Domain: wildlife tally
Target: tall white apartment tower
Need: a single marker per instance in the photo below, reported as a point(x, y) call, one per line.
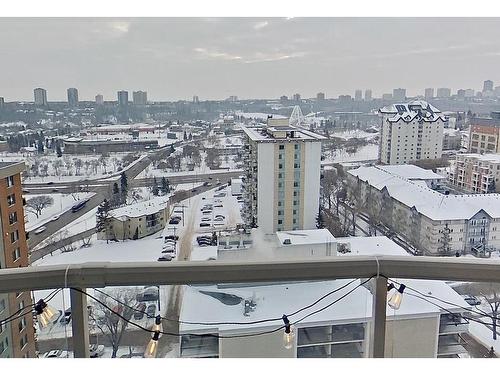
point(410, 131)
point(282, 177)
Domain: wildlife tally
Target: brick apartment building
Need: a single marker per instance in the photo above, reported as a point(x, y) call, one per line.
point(17, 337)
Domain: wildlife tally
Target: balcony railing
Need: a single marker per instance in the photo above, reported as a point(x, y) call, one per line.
point(79, 277)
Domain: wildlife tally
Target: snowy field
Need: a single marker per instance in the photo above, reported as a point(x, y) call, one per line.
point(368, 152)
point(356, 133)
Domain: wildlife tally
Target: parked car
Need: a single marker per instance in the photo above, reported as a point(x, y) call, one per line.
point(206, 219)
point(218, 205)
point(55, 354)
point(138, 315)
point(204, 225)
point(171, 237)
point(165, 258)
point(40, 229)
point(220, 216)
point(471, 300)
point(174, 221)
point(55, 190)
point(55, 217)
point(151, 310)
point(96, 350)
point(149, 294)
point(50, 183)
point(66, 318)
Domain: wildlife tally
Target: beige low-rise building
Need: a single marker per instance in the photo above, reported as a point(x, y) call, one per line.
point(137, 220)
point(476, 173)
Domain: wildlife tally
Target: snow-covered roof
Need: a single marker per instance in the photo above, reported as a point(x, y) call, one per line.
point(411, 172)
point(428, 202)
point(260, 134)
point(148, 207)
point(415, 110)
point(305, 237)
point(274, 300)
point(492, 158)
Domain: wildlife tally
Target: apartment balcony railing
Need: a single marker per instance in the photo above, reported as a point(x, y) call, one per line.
point(79, 277)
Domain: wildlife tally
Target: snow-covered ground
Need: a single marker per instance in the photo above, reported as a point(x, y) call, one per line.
point(62, 203)
point(368, 152)
point(355, 133)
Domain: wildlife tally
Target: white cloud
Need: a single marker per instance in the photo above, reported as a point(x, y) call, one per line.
point(263, 57)
point(216, 55)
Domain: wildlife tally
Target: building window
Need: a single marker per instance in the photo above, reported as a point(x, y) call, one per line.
point(16, 254)
point(296, 165)
point(295, 212)
point(295, 221)
point(295, 184)
point(297, 146)
point(22, 324)
point(280, 166)
point(23, 341)
point(11, 199)
point(10, 181)
point(280, 212)
point(14, 236)
point(281, 147)
point(280, 221)
point(2, 305)
point(12, 218)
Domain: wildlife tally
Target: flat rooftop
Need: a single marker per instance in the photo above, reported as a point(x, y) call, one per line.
point(495, 158)
point(259, 134)
point(411, 172)
point(140, 209)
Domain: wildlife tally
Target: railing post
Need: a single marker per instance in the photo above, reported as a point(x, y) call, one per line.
point(80, 326)
point(379, 306)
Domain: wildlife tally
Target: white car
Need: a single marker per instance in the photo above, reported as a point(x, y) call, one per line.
point(96, 350)
point(40, 230)
point(55, 217)
point(56, 354)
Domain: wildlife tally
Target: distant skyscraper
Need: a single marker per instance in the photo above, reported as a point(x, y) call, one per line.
point(399, 94)
point(2, 102)
point(345, 98)
point(429, 93)
point(296, 97)
point(358, 95)
point(487, 86)
point(469, 93)
point(461, 93)
point(99, 100)
point(283, 98)
point(72, 97)
point(320, 96)
point(443, 92)
point(386, 96)
point(123, 98)
point(140, 97)
point(40, 96)
point(368, 95)
point(196, 99)
point(232, 98)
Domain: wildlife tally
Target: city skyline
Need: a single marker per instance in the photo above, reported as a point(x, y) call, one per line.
point(174, 59)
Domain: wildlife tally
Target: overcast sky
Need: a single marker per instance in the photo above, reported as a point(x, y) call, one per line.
point(249, 57)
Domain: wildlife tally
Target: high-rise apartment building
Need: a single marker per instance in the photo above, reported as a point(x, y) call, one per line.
point(320, 96)
point(140, 97)
point(123, 98)
point(296, 97)
point(99, 99)
point(484, 134)
point(73, 97)
point(469, 93)
point(399, 94)
point(429, 93)
point(410, 131)
point(487, 85)
point(40, 96)
point(282, 177)
point(461, 94)
point(358, 95)
point(368, 95)
point(17, 337)
point(196, 99)
point(2, 102)
point(443, 92)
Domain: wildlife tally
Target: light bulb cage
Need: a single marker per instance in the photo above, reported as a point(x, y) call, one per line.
point(40, 306)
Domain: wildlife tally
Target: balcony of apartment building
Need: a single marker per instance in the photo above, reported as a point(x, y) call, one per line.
point(364, 315)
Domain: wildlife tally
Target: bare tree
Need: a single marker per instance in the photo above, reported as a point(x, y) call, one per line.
point(78, 166)
point(38, 203)
point(57, 165)
point(489, 293)
point(111, 325)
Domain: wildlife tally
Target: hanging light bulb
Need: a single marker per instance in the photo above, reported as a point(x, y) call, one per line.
point(157, 325)
point(289, 334)
point(395, 300)
point(152, 347)
point(44, 312)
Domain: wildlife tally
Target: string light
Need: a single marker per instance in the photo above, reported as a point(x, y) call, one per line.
point(289, 334)
point(395, 300)
point(44, 312)
point(152, 347)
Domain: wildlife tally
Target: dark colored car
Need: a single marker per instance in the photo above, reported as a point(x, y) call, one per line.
point(174, 221)
point(204, 225)
point(151, 310)
point(78, 206)
point(140, 314)
point(165, 258)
